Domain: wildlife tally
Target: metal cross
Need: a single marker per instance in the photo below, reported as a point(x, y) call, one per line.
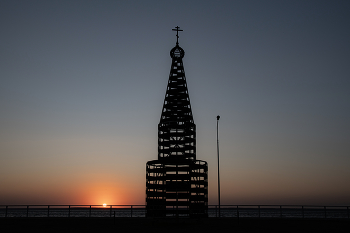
point(177, 29)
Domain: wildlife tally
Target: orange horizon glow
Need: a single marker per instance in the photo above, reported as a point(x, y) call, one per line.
point(87, 189)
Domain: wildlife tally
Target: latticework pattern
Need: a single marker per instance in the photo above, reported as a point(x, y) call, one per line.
point(176, 183)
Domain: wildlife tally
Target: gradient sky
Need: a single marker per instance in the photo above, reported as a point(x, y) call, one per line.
point(83, 84)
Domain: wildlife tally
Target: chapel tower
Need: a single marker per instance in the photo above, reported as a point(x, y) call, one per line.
point(176, 183)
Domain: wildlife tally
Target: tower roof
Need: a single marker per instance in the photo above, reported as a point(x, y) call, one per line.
point(177, 107)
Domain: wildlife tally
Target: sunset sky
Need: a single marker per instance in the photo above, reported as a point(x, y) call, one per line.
point(83, 84)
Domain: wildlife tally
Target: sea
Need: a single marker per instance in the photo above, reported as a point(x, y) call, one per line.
point(213, 212)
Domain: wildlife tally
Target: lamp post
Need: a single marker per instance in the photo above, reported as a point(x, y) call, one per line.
point(217, 146)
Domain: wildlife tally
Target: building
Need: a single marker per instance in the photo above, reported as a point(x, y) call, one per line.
point(177, 183)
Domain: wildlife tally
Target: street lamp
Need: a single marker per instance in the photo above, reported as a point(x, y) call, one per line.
point(217, 146)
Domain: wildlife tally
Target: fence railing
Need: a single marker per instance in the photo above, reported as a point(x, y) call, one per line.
point(226, 211)
point(282, 211)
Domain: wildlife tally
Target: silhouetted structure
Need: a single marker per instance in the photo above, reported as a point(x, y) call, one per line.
point(176, 183)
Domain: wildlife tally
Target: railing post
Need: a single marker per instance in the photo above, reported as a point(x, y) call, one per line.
point(110, 211)
point(6, 211)
point(259, 210)
point(27, 210)
point(90, 212)
point(131, 211)
point(48, 211)
point(325, 212)
point(69, 211)
point(302, 210)
point(280, 211)
point(347, 208)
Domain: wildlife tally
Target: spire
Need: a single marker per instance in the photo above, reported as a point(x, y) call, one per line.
point(177, 107)
point(177, 120)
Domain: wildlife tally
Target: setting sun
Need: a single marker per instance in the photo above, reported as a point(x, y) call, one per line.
point(104, 204)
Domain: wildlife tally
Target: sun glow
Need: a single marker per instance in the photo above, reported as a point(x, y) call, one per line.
point(104, 204)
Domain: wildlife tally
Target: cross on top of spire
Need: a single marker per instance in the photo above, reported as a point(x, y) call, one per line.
point(177, 29)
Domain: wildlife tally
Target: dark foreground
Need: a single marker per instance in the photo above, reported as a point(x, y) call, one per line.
point(172, 225)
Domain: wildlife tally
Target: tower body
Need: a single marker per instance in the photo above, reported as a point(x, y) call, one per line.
point(177, 183)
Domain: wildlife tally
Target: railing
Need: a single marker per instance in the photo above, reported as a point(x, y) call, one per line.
point(281, 211)
point(72, 210)
point(226, 211)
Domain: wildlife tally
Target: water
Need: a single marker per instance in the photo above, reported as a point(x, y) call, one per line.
point(263, 212)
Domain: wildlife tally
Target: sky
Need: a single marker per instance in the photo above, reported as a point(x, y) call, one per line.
point(83, 85)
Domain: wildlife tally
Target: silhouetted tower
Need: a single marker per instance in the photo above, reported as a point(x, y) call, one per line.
point(176, 183)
